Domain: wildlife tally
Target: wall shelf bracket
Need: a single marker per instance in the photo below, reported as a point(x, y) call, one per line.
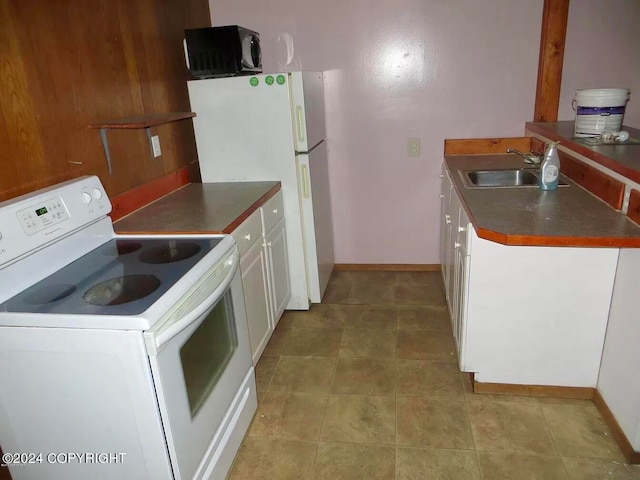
point(105, 146)
point(144, 121)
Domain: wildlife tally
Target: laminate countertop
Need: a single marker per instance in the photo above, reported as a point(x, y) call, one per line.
point(199, 208)
point(568, 216)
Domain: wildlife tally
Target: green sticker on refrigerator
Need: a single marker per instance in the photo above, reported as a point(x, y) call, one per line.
point(254, 81)
point(269, 80)
point(280, 79)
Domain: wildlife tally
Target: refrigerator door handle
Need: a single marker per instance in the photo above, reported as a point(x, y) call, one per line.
point(300, 121)
point(305, 181)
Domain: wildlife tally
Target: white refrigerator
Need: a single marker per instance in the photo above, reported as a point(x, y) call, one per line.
point(272, 127)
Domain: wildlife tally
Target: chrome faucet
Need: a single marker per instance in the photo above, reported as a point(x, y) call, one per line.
point(531, 158)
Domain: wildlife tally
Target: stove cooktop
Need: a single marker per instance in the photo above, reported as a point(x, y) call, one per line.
point(121, 277)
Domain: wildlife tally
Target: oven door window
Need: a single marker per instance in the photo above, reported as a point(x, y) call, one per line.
point(207, 352)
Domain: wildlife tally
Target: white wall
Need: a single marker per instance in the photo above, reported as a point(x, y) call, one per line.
point(432, 69)
point(602, 51)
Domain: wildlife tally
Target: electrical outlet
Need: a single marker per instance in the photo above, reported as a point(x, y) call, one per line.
point(413, 147)
point(155, 144)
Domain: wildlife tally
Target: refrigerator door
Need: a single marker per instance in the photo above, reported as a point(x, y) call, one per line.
point(307, 109)
point(317, 229)
point(243, 128)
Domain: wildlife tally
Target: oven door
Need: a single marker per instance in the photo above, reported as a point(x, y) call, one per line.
point(200, 357)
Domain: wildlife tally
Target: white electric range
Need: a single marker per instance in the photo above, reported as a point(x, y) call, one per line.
point(121, 356)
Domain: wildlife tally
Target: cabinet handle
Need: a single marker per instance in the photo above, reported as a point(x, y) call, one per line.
point(462, 229)
point(441, 196)
point(447, 219)
point(442, 175)
point(269, 244)
point(457, 244)
point(248, 237)
point(275, 211)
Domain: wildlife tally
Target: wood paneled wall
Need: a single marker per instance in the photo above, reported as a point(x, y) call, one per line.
point(65, 64)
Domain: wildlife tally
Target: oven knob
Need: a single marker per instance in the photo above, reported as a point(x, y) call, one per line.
point(86, 198)
point(97, 194)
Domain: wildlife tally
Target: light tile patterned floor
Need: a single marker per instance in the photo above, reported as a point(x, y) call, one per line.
point(366, 386)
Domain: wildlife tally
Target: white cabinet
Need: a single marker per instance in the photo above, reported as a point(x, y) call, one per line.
point(445, 229)
point(619, 380)
point(525, 314)
point(275, 235)
point(265, 271)
point(460, 284)
point(453, 256)
point(253, 268)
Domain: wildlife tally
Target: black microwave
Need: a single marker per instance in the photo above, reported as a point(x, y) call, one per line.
point(222, 51)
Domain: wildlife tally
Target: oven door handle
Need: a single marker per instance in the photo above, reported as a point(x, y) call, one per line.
point(203, 297)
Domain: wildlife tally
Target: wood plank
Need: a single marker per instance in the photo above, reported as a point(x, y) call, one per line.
point(142, 195)
point(143, 121)
point(599, 183)
point(389, 267)
point(68, 64)
point(621, 439)
point(552, 42)
point(479, 146)
point(538, 146)
point(633, 212)
point(551, 391)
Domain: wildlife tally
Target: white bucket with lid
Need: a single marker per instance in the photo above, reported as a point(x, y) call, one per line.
point(599, 110)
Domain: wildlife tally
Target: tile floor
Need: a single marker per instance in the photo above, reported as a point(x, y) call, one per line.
point(366, 386)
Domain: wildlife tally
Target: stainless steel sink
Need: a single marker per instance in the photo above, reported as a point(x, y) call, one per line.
point(502, 178)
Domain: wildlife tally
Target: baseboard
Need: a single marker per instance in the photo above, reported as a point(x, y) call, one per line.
point(621, 439)
point(552, 391)
point(389, 267)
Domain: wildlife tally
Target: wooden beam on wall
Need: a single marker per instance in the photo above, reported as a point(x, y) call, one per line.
point(552, 42)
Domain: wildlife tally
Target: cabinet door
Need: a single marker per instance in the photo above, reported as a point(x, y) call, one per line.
point(458, 283)
point(253, 267)
point(279, 286)
point(459, 316)
point(445, 221)
point(451, 221)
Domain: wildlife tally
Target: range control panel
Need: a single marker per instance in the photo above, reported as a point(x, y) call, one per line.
point(47, 214)
point(31, 221)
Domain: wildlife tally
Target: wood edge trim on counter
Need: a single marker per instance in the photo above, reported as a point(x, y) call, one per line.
point(254, 206)
point(389, 267)
point(138, 197)
point(555, 15)
point(603, 186)
point(479, 146)
point(552, 391)
point(545, 241)
point(588, 152)
point(633, 211)
point(621, 439)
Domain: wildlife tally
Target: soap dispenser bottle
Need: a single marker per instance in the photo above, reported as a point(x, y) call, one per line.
point(550, 168)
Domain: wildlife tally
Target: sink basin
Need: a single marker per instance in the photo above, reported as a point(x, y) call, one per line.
point(502, 178)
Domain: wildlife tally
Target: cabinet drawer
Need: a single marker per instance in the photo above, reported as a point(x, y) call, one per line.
point(272, 212)
point(248, 232)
